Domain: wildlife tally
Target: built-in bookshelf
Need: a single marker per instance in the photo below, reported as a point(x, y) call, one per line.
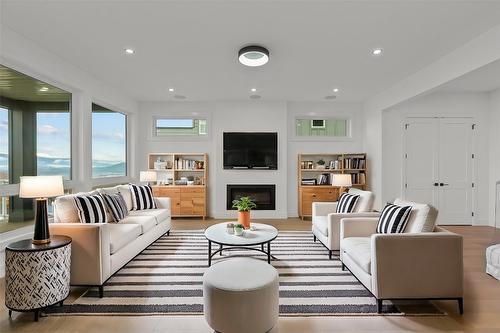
point(315, 177)
point(182, 177)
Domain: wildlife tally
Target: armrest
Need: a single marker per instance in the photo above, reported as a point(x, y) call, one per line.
point(420, 265)
point(323, 208)
point(358, 227)
point(162, 202)
point(90, 251)
point(334, 225)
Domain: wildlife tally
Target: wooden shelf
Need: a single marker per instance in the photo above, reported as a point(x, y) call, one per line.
point(307, 194)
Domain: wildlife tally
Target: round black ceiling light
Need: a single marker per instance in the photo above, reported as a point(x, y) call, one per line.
point(253, 56)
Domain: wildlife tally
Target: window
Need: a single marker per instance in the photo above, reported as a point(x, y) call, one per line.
point(180, 127)
point(35, 139)
point(328, 127)
point(53, 143)
point(109, 143)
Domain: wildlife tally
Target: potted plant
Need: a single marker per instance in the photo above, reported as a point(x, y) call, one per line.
point(321, 164)
point(238, 229)
point(244, 205)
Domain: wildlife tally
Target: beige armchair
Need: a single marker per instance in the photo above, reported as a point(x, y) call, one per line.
point(410, 265)
point(326, 223)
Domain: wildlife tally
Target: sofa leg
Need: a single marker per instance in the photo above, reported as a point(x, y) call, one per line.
point(101, 291)
point(314, 238)
point(330, 252)
point(460, 305)
point(168, 233)
point(343, 267)
point(379, 305)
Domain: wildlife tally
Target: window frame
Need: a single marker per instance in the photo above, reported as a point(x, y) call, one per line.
point(181, 138)
point(337, 116)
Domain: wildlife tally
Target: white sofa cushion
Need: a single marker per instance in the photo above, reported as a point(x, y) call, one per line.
point(159, 214)
point(365, 200)
point(120, 234)
point(145, 222)
point(422, 217)
point(66, 210)
point(359, 250)
point(321, 223)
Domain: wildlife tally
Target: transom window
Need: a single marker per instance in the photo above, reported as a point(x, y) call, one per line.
point(180, 127)
point(322, 127)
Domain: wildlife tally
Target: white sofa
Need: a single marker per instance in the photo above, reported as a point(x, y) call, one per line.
point(424, 262)
point(100, 249)
point(326, 223)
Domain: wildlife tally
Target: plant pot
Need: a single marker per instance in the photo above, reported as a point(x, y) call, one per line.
point(238, 231)
point(244, 218)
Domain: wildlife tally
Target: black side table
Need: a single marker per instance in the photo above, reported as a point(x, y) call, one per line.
point(37, 276)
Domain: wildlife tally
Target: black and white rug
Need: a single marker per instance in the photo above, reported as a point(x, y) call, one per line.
point(166, 278)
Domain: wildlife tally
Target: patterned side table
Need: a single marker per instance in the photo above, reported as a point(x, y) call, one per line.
point(37, 276)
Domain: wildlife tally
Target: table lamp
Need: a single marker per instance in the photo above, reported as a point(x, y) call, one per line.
point(344, 181)
point(147, 176)
point(41, 188)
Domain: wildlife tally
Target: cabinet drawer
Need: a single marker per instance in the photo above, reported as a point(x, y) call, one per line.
point(193, 190)
point(166, 192)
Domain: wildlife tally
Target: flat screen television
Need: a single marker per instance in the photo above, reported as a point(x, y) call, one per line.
point(250, 150)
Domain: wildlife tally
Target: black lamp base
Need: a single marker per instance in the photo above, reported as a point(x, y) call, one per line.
point(42, 234)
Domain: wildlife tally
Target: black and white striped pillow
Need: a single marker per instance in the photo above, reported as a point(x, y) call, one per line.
point(142, 197)
point(346, 203)
point(116, 205)
point(393, 219)
point(91, 209)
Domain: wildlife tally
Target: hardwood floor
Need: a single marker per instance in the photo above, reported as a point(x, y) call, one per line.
point(482, 303)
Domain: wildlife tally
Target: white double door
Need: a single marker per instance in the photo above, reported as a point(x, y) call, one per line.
point(439, 166)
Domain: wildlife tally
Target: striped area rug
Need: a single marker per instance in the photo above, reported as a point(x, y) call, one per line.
point(166, 278)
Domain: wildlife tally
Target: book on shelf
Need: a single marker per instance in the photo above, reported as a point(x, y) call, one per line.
point(354, 163)
point(358, 178)
point(309, 181)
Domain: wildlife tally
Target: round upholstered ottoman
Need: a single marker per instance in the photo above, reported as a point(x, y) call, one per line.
point(493, 261)
point(241, 296)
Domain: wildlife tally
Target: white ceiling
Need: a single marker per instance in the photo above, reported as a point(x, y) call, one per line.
point(484, 79)
point(192, 45)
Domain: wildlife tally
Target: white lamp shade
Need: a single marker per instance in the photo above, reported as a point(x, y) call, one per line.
point(342, 180)
point(147, 176)
point(40, 186)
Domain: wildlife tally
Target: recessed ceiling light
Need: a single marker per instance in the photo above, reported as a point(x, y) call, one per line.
point(43, 89)
point(253, 89)
point(336, 89)
point(253, 56)
point(377, 51)
point(129, 51)
point(171, 89)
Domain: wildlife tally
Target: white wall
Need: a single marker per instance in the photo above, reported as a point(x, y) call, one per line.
point(494, 122)
point(249, 116)
point(440, 104)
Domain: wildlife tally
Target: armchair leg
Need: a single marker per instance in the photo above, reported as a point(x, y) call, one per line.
point(101, 291)
point(460, 305)
point(314, 238)
point(343, 267)
point(168, 233)
point(330, 252)
point(379, 305)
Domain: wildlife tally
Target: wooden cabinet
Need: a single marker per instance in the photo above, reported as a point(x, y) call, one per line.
point(186, 200)
point(316, 171)
point(310, 194)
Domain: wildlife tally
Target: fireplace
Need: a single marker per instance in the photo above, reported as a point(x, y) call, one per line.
point(263, 195)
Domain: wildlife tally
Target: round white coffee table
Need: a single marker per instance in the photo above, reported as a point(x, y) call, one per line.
point(260, 234)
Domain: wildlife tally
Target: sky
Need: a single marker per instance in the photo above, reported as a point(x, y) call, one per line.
point(54, 136)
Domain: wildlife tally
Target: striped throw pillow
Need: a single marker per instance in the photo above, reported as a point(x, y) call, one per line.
point(91, 208)
point(346, 203)
point(116, 205)
point(142, 197)
point(393, 219)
